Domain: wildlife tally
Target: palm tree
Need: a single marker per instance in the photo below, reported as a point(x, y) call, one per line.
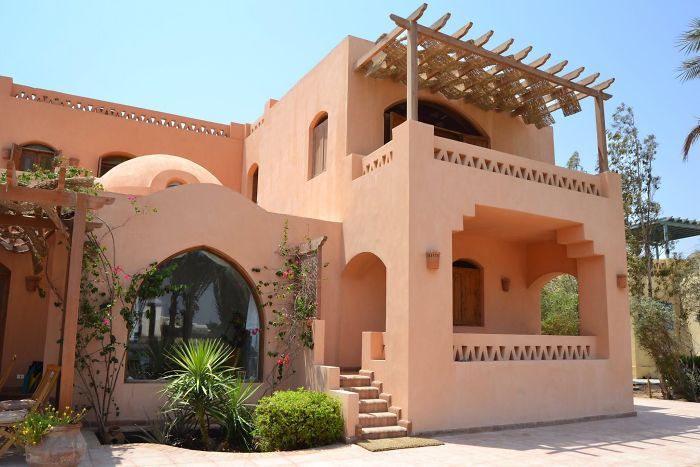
point(689, 43)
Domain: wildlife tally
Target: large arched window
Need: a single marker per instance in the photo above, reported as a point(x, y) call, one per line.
point(448, 124)
point(109, 162)
point(215, 301)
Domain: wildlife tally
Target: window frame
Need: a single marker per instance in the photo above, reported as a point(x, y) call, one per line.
point(320, 121)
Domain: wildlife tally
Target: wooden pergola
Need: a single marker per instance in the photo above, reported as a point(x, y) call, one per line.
point(28, 216)
point(425, 58)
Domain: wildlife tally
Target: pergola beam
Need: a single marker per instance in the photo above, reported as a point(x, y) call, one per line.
point(389, 38)
point(496, 58)
point(56, 198)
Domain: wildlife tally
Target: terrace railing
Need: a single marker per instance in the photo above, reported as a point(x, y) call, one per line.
point(517, 347)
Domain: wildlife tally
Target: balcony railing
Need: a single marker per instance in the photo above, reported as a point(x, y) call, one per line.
point(517, 347)
point(379, 158)
point(478, 158)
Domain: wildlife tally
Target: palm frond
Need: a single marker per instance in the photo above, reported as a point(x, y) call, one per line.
point(690, 69)
point(689, 41)
point(690, 140)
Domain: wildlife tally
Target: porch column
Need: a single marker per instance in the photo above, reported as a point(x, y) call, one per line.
point(412, 72)
point(70, 317)
point(602, 136)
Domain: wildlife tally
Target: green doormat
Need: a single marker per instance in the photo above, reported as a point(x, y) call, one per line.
point(389, 444)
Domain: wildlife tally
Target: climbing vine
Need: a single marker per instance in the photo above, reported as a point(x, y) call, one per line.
point(291, 299)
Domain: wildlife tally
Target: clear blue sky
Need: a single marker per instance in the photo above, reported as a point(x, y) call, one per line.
point(221, 61)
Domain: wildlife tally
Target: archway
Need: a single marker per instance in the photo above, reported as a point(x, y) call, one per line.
point(448, 123)
point(215, 300)
point(253, 182)
point(363, 306)
point(559, 306)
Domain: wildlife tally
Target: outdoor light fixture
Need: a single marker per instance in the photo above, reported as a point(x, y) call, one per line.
point(505, 284)
point(432, 259)
point(622, 281)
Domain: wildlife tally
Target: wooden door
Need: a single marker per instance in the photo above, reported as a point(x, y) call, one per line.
point(466, 297)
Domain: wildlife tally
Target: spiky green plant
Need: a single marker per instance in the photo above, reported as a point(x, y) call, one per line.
point(235, 414)
point(200, 380)
point(689, 43)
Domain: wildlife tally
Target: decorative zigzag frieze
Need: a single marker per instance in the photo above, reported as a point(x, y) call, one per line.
point(499, 353)
point(552, 178)
point(377, 159)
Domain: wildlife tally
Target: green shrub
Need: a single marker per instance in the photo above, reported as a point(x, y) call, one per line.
point(299, 419)
point(559, 306)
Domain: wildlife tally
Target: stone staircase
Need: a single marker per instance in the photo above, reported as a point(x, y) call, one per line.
point(378, 418)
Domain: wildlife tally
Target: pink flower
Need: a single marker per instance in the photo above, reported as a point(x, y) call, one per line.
point(285, 274)
point(118, 269)
point(105, 322)
point(131, 198)
point(127, 277)
point(280, 361)
point(254, 331)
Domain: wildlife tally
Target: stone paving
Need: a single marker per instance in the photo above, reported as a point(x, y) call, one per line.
point(663, 433)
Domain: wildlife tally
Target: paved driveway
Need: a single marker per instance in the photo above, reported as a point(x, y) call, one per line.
point(663, 433)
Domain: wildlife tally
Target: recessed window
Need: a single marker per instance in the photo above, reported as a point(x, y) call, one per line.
point(107, 163)
point(319, 146)
point(30, 155)
point(253, 180)
point(215, 301)
point(447, 124)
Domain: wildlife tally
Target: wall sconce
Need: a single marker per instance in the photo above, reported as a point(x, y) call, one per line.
point(31, 283)
point(622, 281)
point(505, 284)
point(432, 259)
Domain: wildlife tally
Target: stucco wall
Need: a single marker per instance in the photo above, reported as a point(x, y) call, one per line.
point(89, 135)
point(211, 216)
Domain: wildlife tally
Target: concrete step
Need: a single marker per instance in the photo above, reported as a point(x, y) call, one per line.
point(378, 384)
point(374, 419)
point(347, 381)
point(365, 392)
point(381, 432)
point(368, 373)
point(373, 405)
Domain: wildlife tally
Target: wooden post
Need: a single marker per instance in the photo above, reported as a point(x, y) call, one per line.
point(70, 318)
point(412, 72)
point(602, 137)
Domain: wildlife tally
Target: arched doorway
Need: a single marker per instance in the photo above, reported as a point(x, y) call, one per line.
point(215, 300)
point(363, 306)
point(253, 182)
point(559, 306)
point(467, 293)
point(447, 123)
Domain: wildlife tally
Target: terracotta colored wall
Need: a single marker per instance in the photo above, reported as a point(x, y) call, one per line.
point(363, 306)
point(279, 142)
point(230, 225)
point(89, 135)
point(412, 205)
point(25, 325)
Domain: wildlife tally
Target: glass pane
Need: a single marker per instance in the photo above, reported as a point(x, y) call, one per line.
point(215, 302)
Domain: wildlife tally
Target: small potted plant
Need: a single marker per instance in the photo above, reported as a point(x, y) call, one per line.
point(50, 437)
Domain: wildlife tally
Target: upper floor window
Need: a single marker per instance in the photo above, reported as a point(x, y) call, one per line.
point(448, 124)
point(319, 145)
point(109, 162)
point(30, 155)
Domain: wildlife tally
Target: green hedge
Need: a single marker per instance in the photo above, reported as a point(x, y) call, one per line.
point(299, 419)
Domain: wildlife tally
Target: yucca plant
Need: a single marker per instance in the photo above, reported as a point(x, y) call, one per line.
point(236, 414)
point(200, 381)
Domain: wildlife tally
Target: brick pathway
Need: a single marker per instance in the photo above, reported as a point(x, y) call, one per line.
point(663, 433)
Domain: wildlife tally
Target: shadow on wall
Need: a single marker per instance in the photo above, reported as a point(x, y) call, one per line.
point(363, 283)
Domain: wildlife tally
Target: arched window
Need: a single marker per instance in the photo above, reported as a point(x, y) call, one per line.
point(109, 162)
point(318, 145)
point(448, 124)
point(253, 181)
point(467, 294)
point(215, 301)
point(559, 306)
point(30, 155)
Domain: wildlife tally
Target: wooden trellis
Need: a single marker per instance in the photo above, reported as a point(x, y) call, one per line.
point(458, 68)
point(29, 214)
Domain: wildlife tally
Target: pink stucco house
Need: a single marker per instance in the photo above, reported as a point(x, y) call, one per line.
point(426, 160)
